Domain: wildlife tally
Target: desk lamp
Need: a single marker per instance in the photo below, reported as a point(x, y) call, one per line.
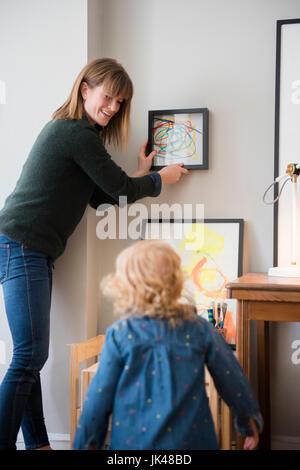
point(291, 174)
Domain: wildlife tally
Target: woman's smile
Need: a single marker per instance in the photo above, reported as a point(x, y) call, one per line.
point(105, 113)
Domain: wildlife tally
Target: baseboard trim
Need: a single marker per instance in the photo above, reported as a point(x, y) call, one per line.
point(52, 437)
point(277, 442)
point(285, 443)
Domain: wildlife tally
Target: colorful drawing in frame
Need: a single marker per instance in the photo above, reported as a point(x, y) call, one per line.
point(211, 252)
point(179, 136)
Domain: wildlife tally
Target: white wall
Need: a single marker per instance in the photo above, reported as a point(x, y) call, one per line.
point(95, 21)
point(220, 55)
point(43, 46)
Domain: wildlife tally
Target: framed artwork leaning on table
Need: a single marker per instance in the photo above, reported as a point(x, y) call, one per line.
point(211, 251)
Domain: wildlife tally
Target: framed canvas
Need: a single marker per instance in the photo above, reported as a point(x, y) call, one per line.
point(287, 135)
point(179, 136)
point(212, 255)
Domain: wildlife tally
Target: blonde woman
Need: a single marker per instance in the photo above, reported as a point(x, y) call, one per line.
point(151, 372)
point(67, 169)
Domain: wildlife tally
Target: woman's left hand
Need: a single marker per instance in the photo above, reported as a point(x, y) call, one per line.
point(144, 161)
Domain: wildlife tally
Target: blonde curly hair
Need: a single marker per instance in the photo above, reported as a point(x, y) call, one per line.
point(148, 281)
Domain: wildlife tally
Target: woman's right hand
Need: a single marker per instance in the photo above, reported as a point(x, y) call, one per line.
point(172, 173)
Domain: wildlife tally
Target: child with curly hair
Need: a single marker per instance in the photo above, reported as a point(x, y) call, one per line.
point(151, 371)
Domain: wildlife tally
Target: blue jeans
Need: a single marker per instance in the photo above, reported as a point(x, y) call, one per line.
point(26, 278)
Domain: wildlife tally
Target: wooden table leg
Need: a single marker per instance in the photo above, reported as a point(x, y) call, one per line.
point(242, 346)
point(225, 427)
point(214, 406)
point(264, 381)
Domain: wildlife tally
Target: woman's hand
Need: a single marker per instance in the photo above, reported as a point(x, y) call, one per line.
point(172, 173)
point(252, 441)
point(144, 161)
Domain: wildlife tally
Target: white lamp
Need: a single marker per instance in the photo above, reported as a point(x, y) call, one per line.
point(291, 174)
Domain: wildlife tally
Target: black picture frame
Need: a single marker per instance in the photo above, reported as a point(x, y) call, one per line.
point(186, 143)
point(278, 119)
point(239, 222)
point(237, 246)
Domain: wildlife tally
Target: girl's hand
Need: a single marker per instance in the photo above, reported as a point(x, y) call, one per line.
point(172, 173)
point(252, 441)
point(144, 161)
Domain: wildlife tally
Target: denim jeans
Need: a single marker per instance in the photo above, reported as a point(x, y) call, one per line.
point(26, 278)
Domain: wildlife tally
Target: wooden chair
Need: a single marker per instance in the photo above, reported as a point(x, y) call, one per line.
point(92, 348)
point(80, 352)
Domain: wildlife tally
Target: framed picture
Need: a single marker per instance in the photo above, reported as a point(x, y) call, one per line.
point(179, 136)
point(211, 251)
point(287, 135)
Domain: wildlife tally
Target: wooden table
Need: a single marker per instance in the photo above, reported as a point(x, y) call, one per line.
point(262, 298)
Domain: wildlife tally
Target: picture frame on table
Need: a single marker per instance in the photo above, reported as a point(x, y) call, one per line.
point(211, 251)
point(179, 136)
point(287, 136)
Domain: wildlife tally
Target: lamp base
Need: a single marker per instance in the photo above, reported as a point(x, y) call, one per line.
point(286, 271)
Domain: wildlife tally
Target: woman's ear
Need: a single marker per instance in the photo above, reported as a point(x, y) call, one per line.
point(83, 90)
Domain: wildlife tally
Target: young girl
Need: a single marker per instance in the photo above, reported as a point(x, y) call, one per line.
point(151, 372)
point(68, 168)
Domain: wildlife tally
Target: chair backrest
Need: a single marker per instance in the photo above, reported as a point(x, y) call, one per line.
point(80, 352)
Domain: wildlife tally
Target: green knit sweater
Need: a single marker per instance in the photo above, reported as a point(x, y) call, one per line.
point(67, 169)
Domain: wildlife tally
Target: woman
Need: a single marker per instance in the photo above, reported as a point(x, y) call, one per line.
point(67, 169)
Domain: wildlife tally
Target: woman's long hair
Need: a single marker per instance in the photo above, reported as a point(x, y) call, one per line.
point(110, 74)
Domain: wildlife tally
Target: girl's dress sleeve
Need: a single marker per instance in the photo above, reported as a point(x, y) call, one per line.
point(93, 422)
point(231, 382)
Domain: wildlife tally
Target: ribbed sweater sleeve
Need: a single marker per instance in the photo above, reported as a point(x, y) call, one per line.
point(92, 157)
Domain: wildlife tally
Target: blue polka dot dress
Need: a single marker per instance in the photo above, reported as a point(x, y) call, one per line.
point(151, 379)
